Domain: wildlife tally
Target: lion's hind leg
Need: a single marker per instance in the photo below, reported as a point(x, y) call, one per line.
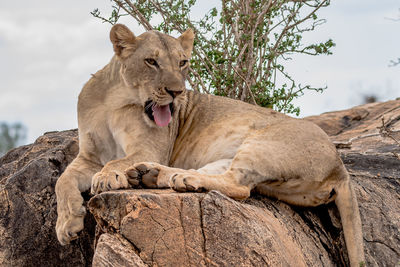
point(155, 175)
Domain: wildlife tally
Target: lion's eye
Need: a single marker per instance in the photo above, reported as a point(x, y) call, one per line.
point(151, 61)
point(182, 63)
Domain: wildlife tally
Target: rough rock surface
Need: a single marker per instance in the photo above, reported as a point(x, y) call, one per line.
point(115, 251)
point(371, 153)
point(164, 228)
point(28, 205)
point(186, 229)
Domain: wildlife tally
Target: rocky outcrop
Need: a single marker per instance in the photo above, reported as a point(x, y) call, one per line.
point(368, 140)
point(165, 228)
point(114, 250)
point(28, 205)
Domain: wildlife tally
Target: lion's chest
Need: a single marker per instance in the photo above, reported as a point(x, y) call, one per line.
point(108, 148)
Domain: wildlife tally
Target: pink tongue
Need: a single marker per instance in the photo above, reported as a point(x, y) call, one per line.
point(162, 115)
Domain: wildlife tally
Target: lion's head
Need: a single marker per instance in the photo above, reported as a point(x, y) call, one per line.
point(154, 66)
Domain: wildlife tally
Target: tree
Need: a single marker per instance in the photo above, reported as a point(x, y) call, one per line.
point(241, 46)
point(11, 135)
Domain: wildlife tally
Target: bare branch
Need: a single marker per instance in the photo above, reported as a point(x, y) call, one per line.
point(385, 131)
point(136, 14)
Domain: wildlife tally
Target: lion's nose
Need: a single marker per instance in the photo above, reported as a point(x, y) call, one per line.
point(173, 93)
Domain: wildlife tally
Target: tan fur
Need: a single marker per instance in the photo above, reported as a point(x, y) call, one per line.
point(211, 143)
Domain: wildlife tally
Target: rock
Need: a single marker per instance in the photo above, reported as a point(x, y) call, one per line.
point(372, 159)
point(165, 228)
point(115, 251)
point(192, 229)
point(28, 205)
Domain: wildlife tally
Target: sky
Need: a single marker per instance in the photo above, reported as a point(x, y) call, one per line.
point(49, 49)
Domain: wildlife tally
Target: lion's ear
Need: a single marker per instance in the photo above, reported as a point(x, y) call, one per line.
point(123, 40)
point(186, 40)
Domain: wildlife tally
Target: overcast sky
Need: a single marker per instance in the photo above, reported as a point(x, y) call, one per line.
point(48, 49)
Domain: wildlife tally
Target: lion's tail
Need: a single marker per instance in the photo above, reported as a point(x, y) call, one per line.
point(347, 204)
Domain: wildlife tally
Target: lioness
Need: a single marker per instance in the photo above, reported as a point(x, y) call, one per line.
point(138, 125)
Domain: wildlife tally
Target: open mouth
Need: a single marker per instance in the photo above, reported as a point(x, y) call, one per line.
point(161, 115)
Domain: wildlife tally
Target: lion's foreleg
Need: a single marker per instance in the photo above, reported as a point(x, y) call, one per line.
point(113, 175)
point(213, 176)
point(154, 175)
point(71, 212)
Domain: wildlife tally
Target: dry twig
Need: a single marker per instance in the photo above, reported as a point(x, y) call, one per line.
point(385, 131)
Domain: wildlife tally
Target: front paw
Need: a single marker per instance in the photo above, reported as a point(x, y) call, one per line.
point(143, 174)
point(185, 182)
point(108, 180)
point(70, 215)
